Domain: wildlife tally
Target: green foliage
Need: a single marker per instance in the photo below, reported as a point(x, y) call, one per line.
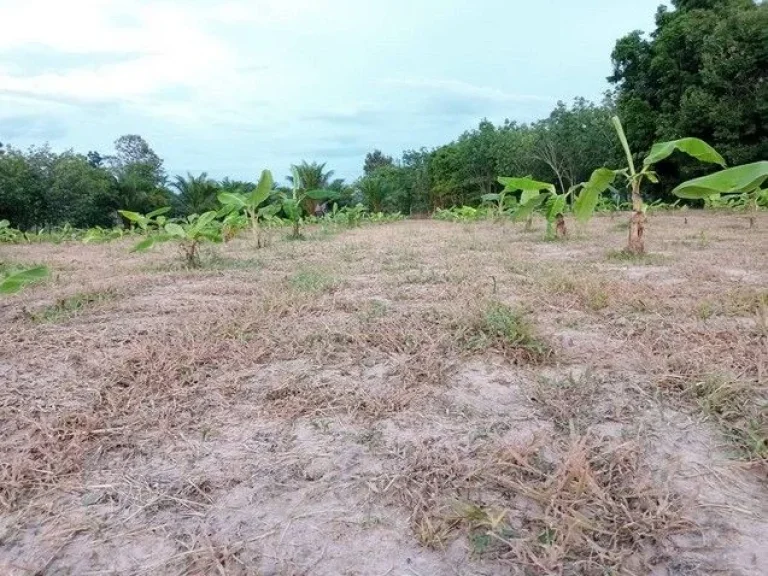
point(196, 194)
point(240, 207)
point(507, 329)
point(528, 206)
point(586, 202)
point(459, 214)
point(528, 185)
point(737, 180)
point(98, 235)
point(188, 233)
point(8, 234)
point(691, 146)
point(684, 79)
point(376, 160)
point(154, 220)
point(16, 280)
point(312, 281)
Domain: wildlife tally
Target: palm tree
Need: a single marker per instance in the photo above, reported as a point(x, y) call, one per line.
point(375, 191)
point(306, 177)
point(196, 194)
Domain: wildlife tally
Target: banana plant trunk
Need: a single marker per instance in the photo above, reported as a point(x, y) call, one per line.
point(636, 244)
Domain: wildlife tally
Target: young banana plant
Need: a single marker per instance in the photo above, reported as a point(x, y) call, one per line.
point(189, 233)
point(237, 205)
point(692, 146)
point(740, 181)
point(539, 197)
point(500, 203)
point(154, 220)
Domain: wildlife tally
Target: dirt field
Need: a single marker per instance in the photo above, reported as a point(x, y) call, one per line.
point(419, 398)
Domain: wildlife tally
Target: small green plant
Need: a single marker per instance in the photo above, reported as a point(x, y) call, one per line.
point(152, 221)
point(99, 234)
point(459, 214)
point(500, 204)
point(508, 329)
point(586, 202)
point(15, 280)
point(741, 414)
point(533, 195)
point(189, 234)
point(239, 208)
point(8, 234)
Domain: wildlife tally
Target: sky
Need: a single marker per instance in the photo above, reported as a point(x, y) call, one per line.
point(231, 87)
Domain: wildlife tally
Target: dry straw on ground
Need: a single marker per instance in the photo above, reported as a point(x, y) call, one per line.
point(416, 398)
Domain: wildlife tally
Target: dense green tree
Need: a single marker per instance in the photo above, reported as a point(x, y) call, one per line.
point(81, 194)
point(23, 189)
point(140, 175)
point(574, 141)
point(374, 160)
point(703, 73)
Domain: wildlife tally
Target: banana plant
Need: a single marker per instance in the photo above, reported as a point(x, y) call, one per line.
point(189, 233)
point(99, 234)
point(589, 194)
point(533, 195)
point(8, 234)
point(235, 205)
point(744, 181)
point(554, 207)
point(154, 220)
point(692, 146)
point(293, 205)
point(500, 203)
point(15, 281)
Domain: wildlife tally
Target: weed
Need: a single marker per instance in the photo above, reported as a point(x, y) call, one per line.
point(739, 410)
point(312, 281)
point(593, 293)
point(634, 258)
point(568, 403)
point(218, 262)
point(507, 330)
point(71, 306)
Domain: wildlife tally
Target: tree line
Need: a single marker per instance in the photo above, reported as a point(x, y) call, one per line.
point(703, 72)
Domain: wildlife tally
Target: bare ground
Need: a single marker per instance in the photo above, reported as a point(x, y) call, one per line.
point(419, 398)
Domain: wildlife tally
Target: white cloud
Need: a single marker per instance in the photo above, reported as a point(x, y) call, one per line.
point(172, 48)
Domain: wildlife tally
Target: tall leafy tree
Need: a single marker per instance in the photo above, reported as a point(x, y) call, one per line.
point(702, 73)
point(140, 174)
point(374, 160)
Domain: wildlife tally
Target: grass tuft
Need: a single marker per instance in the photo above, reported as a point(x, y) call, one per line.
point(70, 306)
point(507, 330)
point(312, 281)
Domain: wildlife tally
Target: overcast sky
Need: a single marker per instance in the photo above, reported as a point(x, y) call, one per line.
point(235, 86)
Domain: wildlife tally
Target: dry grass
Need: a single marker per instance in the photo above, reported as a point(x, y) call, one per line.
point(466, 397)
point(579, 507)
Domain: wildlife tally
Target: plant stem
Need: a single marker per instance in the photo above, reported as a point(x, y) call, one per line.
point(636, 243)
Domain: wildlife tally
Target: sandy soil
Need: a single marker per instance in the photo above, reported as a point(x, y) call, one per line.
point(419, 398)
